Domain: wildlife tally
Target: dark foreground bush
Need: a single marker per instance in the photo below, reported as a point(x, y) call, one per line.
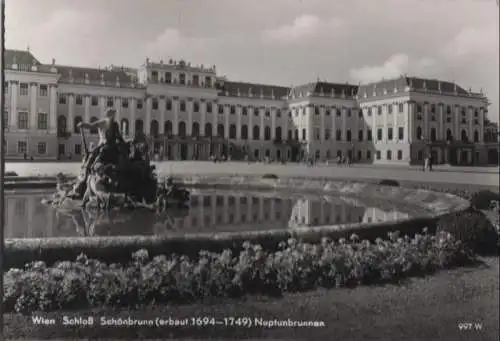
point(483, 200)
point(270, 176)
point(10, 173)
point(473, 229)
point(389, 182)
point(296, 266)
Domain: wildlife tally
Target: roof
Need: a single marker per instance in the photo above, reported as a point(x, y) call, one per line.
point(325, 88)
point(415, 83)
point(235, 88)
point(78, 75)
point(20, 58)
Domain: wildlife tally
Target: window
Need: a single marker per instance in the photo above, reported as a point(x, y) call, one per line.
point(154, 104)
point(268, 113)
point(369, 111)
point(278, 113)
point(182, 79)
point(304, 134)
point(94, 101)
point(110, 102)
point(5, 118)
point(43, 91)
point(448, 109)
point(389, 155)
point(338, 135)
point(22, 120)
point(42, 121)
point(378, 155)
point(316, 111)
point(389, 134)
point(401, 133)
point(41, 148)
point(327, 134)
point(182, 106)
point(78, 149)
point(401, 107)
point(139, 104)
point(433, 108)
point(360, 113)
point(125, 102)
point(62, 99)
point(348, 135)
point(419, 133)
point(379, 134)
point(369, 135)
point(339, 112)
point(368, 155)
point(168, 104)
point(379, 110)
point(327, 112)
point(400, 155)
point(5, 87)
point(196, 107)
point(389, 108)
point(317, 133)
point(420, 155)
point(23, 89)
point(196, 80)
point(349, 112)
point(209, 107)
point(256, 112)
point(419, 108)
point(360, 135)
point(22, 147)
point(168, 77)
point(79, 100)
point(154, 76)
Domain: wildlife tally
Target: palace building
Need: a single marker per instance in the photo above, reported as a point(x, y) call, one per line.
point(189, 112)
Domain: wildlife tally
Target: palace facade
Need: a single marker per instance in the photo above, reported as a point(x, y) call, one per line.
point(189, 112)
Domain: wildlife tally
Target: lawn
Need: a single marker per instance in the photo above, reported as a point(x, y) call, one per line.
point(427, 308)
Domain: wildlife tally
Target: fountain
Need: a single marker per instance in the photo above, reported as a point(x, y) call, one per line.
point(117, 174)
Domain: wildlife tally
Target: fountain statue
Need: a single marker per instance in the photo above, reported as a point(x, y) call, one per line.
point(116, 174)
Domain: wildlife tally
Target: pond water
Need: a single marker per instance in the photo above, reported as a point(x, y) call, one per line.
point(210, 211)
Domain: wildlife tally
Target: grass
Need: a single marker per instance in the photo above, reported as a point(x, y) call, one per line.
point(421, 309)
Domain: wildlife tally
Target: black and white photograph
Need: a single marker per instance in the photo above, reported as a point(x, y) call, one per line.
point(250, 170)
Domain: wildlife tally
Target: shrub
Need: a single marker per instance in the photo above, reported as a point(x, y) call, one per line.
point(473, 229)
point(389, 182)
point(296, 266)
point(270, 176)
point(11, 173)
point(483, 200)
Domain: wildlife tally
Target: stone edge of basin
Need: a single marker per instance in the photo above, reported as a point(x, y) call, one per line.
point(21, 251)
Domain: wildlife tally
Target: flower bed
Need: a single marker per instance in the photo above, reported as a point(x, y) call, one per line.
point(295, 267)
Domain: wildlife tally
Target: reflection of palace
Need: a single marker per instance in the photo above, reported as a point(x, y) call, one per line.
point(189, 112)
point(223, 212)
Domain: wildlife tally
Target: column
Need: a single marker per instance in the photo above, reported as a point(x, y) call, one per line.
point(175, 123)
point(481, 125)
point(250, 123)
point(226, 122)
point(86, 99)
point(410, 122)
point(440, 124)
point(71, 112)
point(334, 125)
point(374, 127)
point(33, 106)
point(133, 108)
point(470, 119)
point(14, 93)
point(102, 105)
point(163, 107)
point(238, 122)
point(262, 113)
point(456, 123)
point(147, 124)
point(215, 114)
point(344, 124)
point(203, 118)
point(395, 130)
point(189, 124)
point(425, 128)
point(53, 109)
point(118, 107)
point(273, 124)
point(385, 135)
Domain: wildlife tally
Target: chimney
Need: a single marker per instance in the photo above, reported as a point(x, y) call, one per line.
point(33, 66)
point(14, 62)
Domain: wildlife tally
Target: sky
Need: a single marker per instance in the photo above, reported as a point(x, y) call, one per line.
point(282, 42)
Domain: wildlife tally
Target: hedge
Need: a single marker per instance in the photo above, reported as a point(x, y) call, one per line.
point(296, 266)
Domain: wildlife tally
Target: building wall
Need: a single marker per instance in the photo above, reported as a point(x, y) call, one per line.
point(321, 124)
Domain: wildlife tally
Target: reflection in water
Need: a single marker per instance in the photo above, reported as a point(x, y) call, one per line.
point(210, 211)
